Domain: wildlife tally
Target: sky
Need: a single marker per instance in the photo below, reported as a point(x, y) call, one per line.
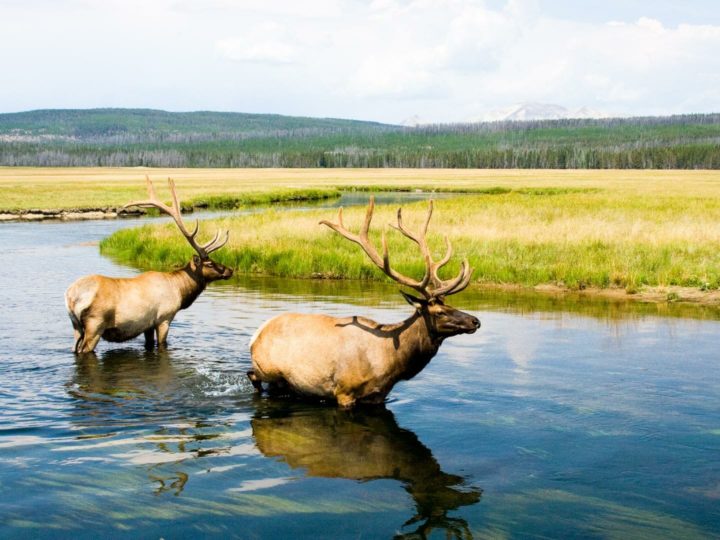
point(381, 60)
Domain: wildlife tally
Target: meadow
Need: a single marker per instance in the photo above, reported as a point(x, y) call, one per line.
point(648, 234)
point(84, 188)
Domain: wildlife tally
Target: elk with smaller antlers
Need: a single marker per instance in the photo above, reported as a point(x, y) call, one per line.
point(354, 359)
point(119, 309)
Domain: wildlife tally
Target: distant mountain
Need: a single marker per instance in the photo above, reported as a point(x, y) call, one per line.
point(93, 123)
point(538, 111)
point(413, 121)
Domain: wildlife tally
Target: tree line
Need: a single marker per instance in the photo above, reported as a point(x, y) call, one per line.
point(568, 157)
point(675, 142)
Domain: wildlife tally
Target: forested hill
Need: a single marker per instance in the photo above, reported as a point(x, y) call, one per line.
point(118, 125)
point(142, 137)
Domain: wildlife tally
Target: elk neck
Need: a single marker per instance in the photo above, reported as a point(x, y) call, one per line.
point(190, 283)
point(414, 344)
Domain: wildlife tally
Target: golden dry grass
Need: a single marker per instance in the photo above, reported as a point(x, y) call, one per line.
point(631, 229)
point(34, 187)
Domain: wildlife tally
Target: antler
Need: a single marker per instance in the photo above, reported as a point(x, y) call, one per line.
point(173, 211)
point(439, 287)
point(430, 286)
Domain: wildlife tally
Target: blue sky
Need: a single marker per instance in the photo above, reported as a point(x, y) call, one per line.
point(385, 60)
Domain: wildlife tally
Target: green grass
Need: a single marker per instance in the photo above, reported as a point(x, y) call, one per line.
point(570, 238)
point(487, 190)
point(576, 229)
point(231, 201)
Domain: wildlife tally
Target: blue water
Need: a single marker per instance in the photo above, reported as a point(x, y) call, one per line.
point(557, 419)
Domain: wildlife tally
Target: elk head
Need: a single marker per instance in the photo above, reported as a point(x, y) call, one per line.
point(201, 265)
point(442, 320)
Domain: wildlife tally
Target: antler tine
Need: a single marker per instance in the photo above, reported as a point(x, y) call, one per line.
point(363, 240)
point(213, 246)
point(150, 187)
point(421, 241)
point(340, 228)
point(427, 219)
point(439, 287)
point(464, 282)
point(448, 254)
point(174, 212)
point(195, 228)
point(457, 284)
point(216, 243)
point(400, 227)
point(437, 282)
point(153, 201)
point(173, 193)
point(206, 245)
point(368, 218)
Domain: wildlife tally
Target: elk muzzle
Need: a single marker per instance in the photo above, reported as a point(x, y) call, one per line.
point(213, 271)
point(451, 322)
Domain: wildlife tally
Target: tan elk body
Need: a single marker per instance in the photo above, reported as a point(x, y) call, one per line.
point(119, 309)
point(355, 359)
point(363, 446)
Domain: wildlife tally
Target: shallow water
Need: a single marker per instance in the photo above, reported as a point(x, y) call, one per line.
point(558, 418)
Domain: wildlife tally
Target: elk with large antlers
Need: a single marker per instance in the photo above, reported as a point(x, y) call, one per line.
point(355, 359)
point(119, 309)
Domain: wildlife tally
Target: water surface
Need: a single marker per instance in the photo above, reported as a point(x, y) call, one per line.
point(558, 418)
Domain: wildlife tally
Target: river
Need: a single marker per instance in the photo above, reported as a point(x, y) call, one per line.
point(559, 418)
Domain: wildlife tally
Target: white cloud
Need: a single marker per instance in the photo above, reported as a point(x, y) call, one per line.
point(444, 60)
point(264, 44)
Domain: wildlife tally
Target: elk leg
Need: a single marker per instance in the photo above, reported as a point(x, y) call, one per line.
point(345, 401)
point(78, 332)
point(149, 338)
point(78, 340)
point(162, 332)
point(93, 333)
point(255, 380)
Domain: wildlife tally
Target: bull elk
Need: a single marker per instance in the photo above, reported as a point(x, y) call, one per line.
point(119, 309)
point(355, 359)
point(365, 446)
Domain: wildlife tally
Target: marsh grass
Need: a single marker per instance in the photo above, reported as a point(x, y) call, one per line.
point(576, 229)
point(571, 238)
point(238, 200)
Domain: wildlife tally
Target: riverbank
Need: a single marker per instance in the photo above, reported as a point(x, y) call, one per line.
point(645, 294)
point(649, 235)
point(648, 244)
point(33, 194)
point(206, 202)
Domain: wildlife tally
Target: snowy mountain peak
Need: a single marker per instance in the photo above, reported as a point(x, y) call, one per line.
point(413, 121)
point(537, 111)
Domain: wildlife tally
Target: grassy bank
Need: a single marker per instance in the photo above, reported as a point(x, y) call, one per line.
point(620, 232)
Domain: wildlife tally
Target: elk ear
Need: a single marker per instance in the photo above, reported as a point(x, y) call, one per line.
point(417, 303)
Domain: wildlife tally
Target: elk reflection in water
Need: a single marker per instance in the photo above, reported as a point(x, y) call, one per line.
point(148, 392)
point(146, 409)
point(123, 374)
point(365, 444)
